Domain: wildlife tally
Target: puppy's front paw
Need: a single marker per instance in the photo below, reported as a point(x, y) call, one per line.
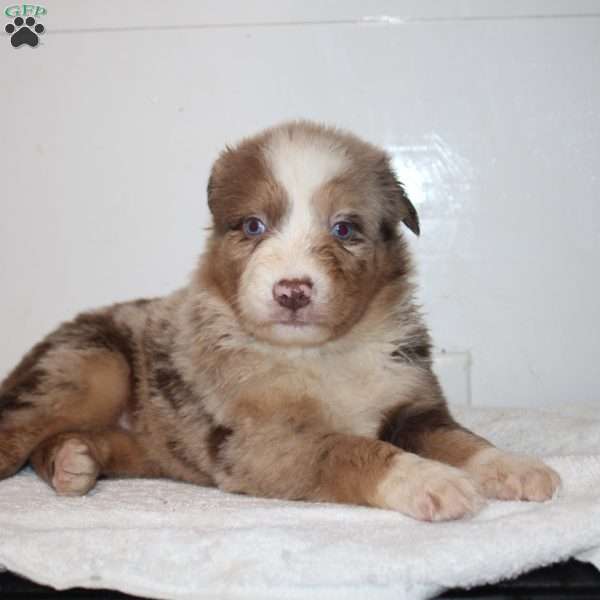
point(511, 477)
point(427, 490)
point(74, 469)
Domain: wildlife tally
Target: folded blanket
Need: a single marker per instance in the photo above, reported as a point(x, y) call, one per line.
point(170, 540)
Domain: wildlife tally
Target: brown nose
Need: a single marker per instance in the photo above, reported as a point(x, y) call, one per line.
point(293, 293)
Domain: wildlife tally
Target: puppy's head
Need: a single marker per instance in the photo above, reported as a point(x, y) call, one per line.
point(305, 231)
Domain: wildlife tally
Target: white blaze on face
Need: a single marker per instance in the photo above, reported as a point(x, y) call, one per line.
point(301, 165)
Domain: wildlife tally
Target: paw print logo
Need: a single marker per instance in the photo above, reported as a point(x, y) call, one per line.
point(24, 32)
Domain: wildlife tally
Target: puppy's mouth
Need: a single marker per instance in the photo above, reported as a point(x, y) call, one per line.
point(298, 319)
point(293, 329)
point(295, 321)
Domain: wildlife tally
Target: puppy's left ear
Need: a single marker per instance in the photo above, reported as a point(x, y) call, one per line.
point(397, 199)
point(411, 220)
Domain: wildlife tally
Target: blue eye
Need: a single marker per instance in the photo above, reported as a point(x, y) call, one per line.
point(253, 227)
point(342, 230)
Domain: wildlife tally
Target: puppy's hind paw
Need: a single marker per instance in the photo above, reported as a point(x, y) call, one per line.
point(75, 470)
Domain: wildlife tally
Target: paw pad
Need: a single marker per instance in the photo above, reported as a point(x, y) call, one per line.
point(24, 31)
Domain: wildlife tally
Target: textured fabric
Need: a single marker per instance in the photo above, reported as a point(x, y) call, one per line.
point(170, 540)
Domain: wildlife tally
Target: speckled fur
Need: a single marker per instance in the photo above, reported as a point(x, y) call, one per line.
point(201, 386)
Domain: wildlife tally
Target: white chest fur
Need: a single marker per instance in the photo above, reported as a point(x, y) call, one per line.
point(355, 388)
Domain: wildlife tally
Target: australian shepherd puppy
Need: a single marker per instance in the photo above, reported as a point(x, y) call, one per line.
point(294, 365)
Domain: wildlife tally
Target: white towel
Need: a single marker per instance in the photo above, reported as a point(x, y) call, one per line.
point(169, 540)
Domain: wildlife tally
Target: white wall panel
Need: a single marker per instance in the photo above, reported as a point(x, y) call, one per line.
point(94, 15)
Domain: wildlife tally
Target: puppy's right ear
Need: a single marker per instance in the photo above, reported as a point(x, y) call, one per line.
point(217, 177)
point(217, 193)
point(232, 176)
point(224, 185)
point(210, 189)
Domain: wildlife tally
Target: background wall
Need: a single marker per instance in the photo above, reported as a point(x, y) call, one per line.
point(491, 110)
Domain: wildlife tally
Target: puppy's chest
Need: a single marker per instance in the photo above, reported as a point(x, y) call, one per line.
point(355, 390)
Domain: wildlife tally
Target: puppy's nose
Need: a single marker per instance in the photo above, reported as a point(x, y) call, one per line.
point(293, 293)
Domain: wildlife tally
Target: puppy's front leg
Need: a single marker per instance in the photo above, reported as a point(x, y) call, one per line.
point(287, 456)
point(429, 430)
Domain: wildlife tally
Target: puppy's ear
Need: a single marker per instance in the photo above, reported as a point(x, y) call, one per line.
point(397, 200)
point(411, 220)
point(215, 179)
point(232, 176)
point(210, 187)
point(216, 196)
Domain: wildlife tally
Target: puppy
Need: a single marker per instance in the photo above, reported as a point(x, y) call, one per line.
point(294, 365)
